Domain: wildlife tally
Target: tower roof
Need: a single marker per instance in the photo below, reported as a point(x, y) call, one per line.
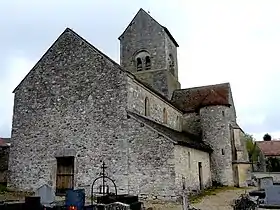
point(191, 99)
point(141, 11)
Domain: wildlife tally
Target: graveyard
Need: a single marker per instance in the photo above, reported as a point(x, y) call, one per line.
point(264, 195)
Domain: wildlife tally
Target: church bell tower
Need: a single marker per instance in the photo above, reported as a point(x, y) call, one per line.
point(148, 50)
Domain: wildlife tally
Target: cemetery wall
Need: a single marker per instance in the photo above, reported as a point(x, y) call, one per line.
point(274, 175)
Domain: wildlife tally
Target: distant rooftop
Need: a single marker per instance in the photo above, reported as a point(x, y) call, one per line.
point(270, 148)
point(5, 142)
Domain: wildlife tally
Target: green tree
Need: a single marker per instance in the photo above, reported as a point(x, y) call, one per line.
point(267, 137)
point(252, 149)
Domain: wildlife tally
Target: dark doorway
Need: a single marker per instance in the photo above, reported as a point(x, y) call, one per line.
point(64, 174)
point(200, 175)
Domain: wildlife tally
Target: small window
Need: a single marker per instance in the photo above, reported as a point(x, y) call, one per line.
point(178, 121)
point(139, 64)
point(189, 159)
point(171, 64)
point(148, 62)
point(164, 116)
point(223, 152)
point(147, 107)
point(223, 113)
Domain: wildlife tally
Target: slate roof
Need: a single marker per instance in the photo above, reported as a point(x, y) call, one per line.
point(181, 138)
point(269, 148)
point(5, 142)
point(191, 99)
point(164, 28)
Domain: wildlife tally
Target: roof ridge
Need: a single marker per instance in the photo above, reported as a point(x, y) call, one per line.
point(103, 54)
point(204, 86)
point(189, 139)
point(165, 29)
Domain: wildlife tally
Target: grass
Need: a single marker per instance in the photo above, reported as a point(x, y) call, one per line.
point(211, 191)
point(3, 188)
point(5, 194)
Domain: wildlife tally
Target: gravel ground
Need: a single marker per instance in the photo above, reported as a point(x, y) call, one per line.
point(220, 201)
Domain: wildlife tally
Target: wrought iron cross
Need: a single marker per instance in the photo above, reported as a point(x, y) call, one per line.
point(103, 167)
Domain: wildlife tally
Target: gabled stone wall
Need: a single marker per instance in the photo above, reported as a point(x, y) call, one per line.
point(73, 100)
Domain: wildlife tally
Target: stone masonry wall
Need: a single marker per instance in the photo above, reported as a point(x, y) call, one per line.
point(151, 163)
point(186, 165)
point(172, 49)
point(191, 123)
point(143, 34)
point(72, 103)
point(136, 103)
point(240, 145)
point(216, 132)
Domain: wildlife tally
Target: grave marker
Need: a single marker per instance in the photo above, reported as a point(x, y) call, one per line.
point(265, 182)
point(272, 195)
point(46, 193)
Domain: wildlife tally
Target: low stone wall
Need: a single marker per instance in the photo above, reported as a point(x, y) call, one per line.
point(274, 175)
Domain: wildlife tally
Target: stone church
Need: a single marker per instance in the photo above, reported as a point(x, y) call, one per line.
point(77, 108)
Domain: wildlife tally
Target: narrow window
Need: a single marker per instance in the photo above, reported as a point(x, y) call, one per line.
point(189, 159)
point(164, 116)
point(178, 122)
point(223, 152)
point(223, 113)
point(65, 174)
point(147, 107)
point(148, 62)
point(139, 64)
point(171, 64)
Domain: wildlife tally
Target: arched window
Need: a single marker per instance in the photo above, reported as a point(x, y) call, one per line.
point(139, 64)
point(147, 107)
point(171, 64)
point(164, 116)
point(142, 60)
point(148, 62)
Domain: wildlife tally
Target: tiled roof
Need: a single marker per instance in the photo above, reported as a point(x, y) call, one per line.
point(4, 142)
point(191, 99)
point(182, 138)
point(270, 148)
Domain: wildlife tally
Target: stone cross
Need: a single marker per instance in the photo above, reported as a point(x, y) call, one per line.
point(265, 182)
point(46, 194)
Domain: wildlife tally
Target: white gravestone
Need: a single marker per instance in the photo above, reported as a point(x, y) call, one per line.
point(265, 182)
point(46, 194)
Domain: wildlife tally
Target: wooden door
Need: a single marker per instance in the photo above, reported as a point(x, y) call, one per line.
point(65, 174)
point(200, 175)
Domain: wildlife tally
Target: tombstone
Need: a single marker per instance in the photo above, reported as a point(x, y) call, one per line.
point(272, 195)
point(46, 194)
point(265, 182)
point(75, 198)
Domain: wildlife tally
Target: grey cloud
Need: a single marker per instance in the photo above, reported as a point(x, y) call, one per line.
point(28, 28)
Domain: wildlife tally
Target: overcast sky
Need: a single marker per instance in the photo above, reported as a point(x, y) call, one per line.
point(220, 41)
